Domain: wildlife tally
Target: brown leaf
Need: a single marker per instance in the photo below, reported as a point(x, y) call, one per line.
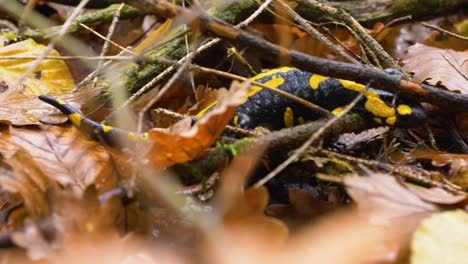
point(437, 66)
point(29, 181)
point(62, 153)
point(247, 215)
point(438, 195)
point(182, 142)
point(458, 163)
point(384, 195)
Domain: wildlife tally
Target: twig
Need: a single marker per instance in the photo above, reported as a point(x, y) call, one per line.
point(177, 116)
point(309, 142)
point(107, 40)
point(412, 173)
point(315, 33)
point(434, 27)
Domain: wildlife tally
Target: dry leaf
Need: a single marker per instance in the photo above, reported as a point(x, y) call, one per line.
point(63, 154)
point(29, 181)
point(50, 76)
point(438, 196)
point(247, 216)
point(437, 66)
point(385, 196)
point(182, 142)
point(458, 163)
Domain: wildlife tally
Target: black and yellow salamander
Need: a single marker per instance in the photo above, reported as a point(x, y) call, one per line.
point(263, 107)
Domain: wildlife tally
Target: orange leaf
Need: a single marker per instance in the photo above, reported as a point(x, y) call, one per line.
point(438, 66)
point(62, 153)
point(182, 142)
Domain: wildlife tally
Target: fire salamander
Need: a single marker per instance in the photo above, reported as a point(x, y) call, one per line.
point(263, 107)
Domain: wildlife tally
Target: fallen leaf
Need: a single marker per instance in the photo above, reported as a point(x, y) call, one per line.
point(458, 163)
point(385, 196)
point(29, 181)
point(50, 75)
point(62, 154)
point(437, 195)
point(247, 215)
point(436, 66)
point(182, 142)
point(442, 238)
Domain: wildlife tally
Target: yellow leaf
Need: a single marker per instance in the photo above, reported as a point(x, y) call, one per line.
point(50, 75)
point(442, 238)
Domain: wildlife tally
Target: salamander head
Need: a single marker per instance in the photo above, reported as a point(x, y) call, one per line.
point(388, 109)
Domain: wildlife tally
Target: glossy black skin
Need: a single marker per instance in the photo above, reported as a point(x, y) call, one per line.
point(267, 108)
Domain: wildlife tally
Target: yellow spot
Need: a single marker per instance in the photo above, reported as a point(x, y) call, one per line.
point(376, 106)
point(132, 136)
point(378, 120)
point(301, 120)
point(60, 101)
point(235, 121)
point(288, 117)
point(391, 120)
point(404, 110)
point(105, 128)
point(75, 118)
point(315, 80)
point(273, 82)
point(350, 85)
point(337, 110)
point(135, 137)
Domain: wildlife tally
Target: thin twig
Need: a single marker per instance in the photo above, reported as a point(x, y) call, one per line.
point(105, 46)
point(309, 142)
point(313, 32)
point(434, 27)
point(177, 116)
point(412, 173)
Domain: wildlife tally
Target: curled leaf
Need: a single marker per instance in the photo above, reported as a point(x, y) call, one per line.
point(182, 142)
